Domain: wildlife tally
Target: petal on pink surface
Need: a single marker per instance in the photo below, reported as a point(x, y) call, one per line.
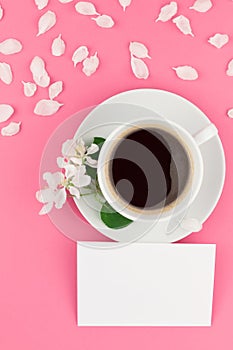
point(139, 50)
point(55, 89)
point(65, 1)
point(58, 46)
point(104, 21)
point(11, 129)
point(183, 24)
point(186, 72)
point(167, 12)
point(47, 107)
point(86, 8)
point(39, 73)
point(6, 112)
point(41, 4)
point(46, 208)
point(202, 5)
point(46, 22)
point(218, 40)
point(6, 73)
point(125, 3)
point(80, 54)
point(230, 113)
point(29, 88)
point(1, 12)
point(229, 71)
point(139, 68)
point(10, 46)
point(90, 65)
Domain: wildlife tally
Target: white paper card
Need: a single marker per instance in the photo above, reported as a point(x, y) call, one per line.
point(146, 284)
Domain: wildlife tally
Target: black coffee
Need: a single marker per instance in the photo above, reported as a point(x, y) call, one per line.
point(144, 168)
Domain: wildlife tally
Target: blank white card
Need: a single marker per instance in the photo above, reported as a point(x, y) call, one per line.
point(145, 284)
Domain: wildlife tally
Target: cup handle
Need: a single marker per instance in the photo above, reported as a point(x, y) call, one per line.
point(205, 134)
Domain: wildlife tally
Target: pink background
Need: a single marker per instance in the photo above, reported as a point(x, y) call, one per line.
point(37, 263)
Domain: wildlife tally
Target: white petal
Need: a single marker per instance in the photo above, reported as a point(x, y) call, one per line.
point(186, 72)
point(45, 196)
point(191, 224)
point(80, 54)
point(93, 148)
point(90, 65)
point(229, 71)
point(46, 22)
point(68, 148)
point(55, 89)
point(10, 46)
point(91, 162)
point(1, 12)
point(60, 198)
point(58, 46)
point(53, 179)
point(104, 21)
point(230, 113)
point(6, 112)
point(70, 171)
point(41, 4)
point(61, 162)
point(46, 208)
point(81, 180)
point(183, 25)
point(76, 160)
point(6, 73)
point(138, 49)
point(167, 12)
point(39, 73)
point(65, 1)
point(125, 3)
point(11, 129)
point(139, 68)
point(202, 5)
point(29, 88)
point(219, 40)
point(74, 192)
point(86, 8)
point(47, 107)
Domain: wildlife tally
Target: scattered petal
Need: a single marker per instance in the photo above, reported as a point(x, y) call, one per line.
point(230, 113)
point(29, 88)
point(11, 129)
point(202, 5)
point(229, 71)
point(65, 1)
point(219, 40)
point(138, 49)
point(104, 21)
point(186, 72)
point(80, 54)
point(5, 73)
point(183, 24)
point(1, 12)
point(60, 198)
point(90, 65)
point(47, 107)
point(39, 73)
point(10, 46)
point(167, 12)
point(58, 46)
point(139, 68)
point(191, 224)
point(6, 112)
point(125, 3)
point(46, 208)
point(46, 22)
point(86, 8)
point(55, 89)
point(41, 4)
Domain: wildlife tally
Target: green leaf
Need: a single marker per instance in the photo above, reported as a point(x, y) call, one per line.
point(93, 171)
point(112, 218)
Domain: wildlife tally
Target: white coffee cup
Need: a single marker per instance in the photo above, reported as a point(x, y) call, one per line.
point(192, 182)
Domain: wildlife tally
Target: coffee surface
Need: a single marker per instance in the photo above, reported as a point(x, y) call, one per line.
point(144, 170)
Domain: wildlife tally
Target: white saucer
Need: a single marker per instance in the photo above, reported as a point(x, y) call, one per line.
point(182, 112)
